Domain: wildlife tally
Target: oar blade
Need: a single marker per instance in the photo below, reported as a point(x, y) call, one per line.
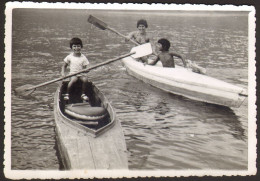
point(97, 22)
point(24, 90)
point(142, 50)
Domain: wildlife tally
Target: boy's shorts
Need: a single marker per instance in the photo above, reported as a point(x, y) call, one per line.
point(81, 75)
point(78, 76)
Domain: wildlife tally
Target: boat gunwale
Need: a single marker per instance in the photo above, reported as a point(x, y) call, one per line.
point(84, 129)
point(241, 92)
point(134, 69)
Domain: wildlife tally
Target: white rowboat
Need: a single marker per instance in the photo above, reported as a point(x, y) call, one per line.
point(182, 81)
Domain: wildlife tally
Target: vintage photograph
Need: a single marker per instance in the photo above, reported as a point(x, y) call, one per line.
point(118, 90)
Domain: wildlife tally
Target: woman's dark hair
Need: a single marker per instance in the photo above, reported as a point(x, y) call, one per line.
point(76, 41)
point(165, 44)
point(142, 22)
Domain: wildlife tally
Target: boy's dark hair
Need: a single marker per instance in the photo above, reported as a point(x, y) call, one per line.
point(165, 44)
point(142, 22)
point(76, 41)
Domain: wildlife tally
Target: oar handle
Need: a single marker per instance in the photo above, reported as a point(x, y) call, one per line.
point(113, 30)
point(82, 71)
point(102, 25)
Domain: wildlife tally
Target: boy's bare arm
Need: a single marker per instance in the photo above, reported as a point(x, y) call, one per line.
point(63, 68)
point(154, 61)
point(129, 36)
point(181, 57)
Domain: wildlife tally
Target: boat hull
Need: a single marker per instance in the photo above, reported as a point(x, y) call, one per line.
point(184, 82)
point(81, 147)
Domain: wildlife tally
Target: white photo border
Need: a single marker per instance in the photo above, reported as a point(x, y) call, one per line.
point(32, 174)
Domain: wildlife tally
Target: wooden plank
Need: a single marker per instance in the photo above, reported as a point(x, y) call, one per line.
point(81, 150)
point(76, 146)
point(85, 153)
point(106, 151)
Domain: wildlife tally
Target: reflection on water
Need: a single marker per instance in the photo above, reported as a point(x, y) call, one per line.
point(172, 132)
point(162, 131)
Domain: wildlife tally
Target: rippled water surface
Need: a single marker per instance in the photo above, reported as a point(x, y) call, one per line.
point(162, 131)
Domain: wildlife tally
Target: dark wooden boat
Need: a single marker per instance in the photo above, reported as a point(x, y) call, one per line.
point(88, 134)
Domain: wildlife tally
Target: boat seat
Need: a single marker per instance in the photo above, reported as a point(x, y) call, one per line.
point(84, 111)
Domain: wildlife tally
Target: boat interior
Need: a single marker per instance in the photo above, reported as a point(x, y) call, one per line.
point(91, 113)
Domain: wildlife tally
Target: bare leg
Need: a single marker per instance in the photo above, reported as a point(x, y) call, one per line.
point(84, 87)
point(84, 83)
point(72, 81)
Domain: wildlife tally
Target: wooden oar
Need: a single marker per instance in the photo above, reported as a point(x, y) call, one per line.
point(102, 25)
point(136, 52)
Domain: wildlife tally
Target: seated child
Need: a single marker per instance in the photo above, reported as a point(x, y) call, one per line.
point(77, 62)
point(140, 36)
point(165, 56)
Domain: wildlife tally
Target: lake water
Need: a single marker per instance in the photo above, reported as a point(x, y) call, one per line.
point(162, 130)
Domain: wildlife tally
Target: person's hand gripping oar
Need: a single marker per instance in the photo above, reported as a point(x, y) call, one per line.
point(136, 52)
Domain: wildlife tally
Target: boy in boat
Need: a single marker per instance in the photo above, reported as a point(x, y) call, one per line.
point(165, 56)
point(77, 62)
